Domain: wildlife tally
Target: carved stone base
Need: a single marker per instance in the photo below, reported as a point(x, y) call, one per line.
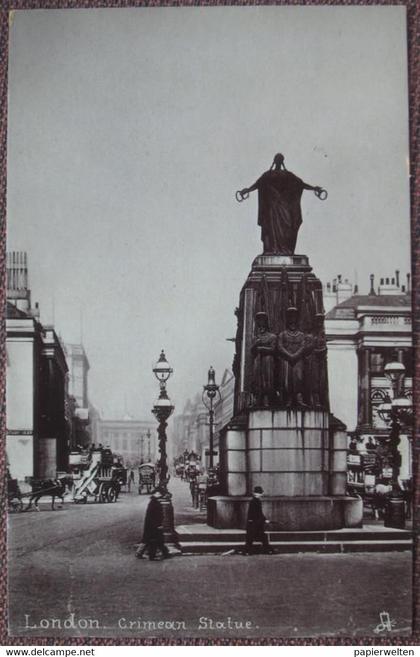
point(275, 284)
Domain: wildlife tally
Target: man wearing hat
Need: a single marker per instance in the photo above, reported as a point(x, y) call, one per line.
point(153, 530)
point(255, 524)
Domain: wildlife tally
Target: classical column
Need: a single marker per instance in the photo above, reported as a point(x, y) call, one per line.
point(364, 387)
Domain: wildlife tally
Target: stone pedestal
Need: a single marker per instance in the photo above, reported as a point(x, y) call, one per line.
point(300, 460)
point(282, 436)
point(274, 284)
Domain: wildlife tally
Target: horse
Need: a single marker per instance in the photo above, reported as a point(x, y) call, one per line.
point(43, 487)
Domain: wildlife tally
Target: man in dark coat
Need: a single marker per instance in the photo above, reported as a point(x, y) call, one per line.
point(255, 524)
point(153, 530)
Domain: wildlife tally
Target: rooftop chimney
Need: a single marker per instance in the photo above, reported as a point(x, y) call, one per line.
point(397, 277)
point(408, 283)
point(372, 281)
point(389, 286)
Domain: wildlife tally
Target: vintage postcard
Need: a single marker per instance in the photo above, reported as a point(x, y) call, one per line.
point(209, 323)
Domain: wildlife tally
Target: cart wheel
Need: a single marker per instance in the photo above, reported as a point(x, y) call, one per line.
point(102, 493)
point(112, 494)
point(15, 505)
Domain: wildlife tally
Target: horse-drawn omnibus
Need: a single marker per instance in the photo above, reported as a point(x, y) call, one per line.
point(147, 477)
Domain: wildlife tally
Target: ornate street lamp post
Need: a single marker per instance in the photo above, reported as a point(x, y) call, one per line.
point(397, 412)
point(149, 453)
point(162, 409)
point(210, 391)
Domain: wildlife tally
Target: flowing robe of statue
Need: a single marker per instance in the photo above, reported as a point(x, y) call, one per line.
point(318, 374)
point(279, 211)
point(263, 379)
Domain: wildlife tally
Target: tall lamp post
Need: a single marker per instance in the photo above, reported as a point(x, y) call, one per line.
point(162, 409)
point(141, 447)
point(396, 413)
point(210, 391)
point(149, 453)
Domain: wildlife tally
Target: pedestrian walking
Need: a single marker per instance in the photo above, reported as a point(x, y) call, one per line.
point(153, 539)
point(130, 480)
point(255, 524)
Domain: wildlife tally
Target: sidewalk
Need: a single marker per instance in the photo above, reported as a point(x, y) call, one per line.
point(184, 512)
point(197, 537)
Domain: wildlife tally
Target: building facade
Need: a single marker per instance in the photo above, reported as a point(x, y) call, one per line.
point(43, 418)
point(191, 431)
point(38, 422)
point(135, 441)
point(364, 333)
point(78, 370)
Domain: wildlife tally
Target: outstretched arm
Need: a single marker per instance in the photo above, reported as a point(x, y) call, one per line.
point(248, 190)
point(320, 192)
point(310, 187)
point(242, 194)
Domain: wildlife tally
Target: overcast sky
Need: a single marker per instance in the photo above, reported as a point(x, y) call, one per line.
point(131, 129)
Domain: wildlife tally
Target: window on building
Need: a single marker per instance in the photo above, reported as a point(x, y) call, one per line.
point(378, 360)
point(377, 397)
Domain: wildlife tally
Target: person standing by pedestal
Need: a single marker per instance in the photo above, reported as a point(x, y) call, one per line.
point(255, 524)
point(153, 530)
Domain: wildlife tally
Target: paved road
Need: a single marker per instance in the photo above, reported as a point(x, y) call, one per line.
point(73, 573)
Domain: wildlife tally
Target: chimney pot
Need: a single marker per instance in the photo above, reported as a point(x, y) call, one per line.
point(372, 281)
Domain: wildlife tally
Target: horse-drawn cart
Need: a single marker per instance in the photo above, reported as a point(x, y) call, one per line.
point(147, 477)
point(14, 496)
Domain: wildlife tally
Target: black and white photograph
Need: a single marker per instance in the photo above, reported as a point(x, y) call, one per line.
point(209, 324)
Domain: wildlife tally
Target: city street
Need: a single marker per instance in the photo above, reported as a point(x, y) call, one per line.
point(72, 572)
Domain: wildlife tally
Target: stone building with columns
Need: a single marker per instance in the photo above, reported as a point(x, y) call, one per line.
point(46, 382)
point(38, 417)
point(135, 441)
point(365, 332)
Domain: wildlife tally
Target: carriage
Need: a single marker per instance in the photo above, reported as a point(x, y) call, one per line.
point(14, 496)
point(101, 480)
point(147, 477)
